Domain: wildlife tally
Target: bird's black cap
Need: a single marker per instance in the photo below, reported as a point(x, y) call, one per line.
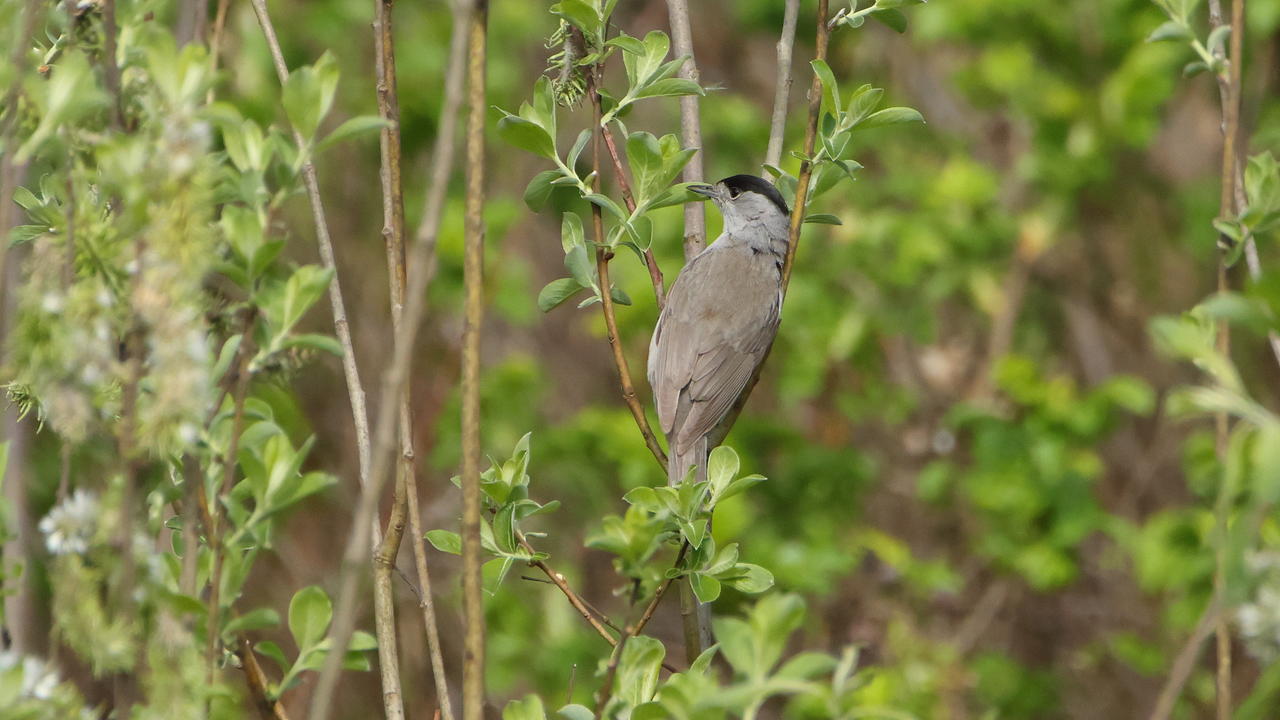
point(743, 183)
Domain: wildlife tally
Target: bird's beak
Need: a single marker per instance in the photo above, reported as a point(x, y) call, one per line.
point(706, 190)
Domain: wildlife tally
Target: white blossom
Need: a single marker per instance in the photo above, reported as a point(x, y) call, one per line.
point(70, 525)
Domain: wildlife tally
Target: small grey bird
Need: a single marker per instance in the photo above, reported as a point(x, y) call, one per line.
point(720, 318)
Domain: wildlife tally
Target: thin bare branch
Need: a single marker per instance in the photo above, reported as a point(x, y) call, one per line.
point(695, 214)
point(473, 273)
point(603, 256)
point(651, 262)
point(258, 684)
point(421, 268)
point(213, 625)
point(111, 71)
point(393, 231)
point(1184, 663)
point(355, 390)
point(1229, 94)
point(424, 267)
point(782, 89)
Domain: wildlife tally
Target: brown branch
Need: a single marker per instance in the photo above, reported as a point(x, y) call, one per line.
point(782, 88)
point(258, 685)
point(215, 44)
point(9, 171)
point(606, 687)
point(393, 231)
point(695, 217)
point(355, 390)
point(126, 685)
point(243, 355)
point(1184, 664)
point(652, 607)
point(473, 273)
point(111, 71)
point(425, 268)
point(574, 599)
point(603, 256)
point(421, 268)
point(1229, 93)
point(650, 262)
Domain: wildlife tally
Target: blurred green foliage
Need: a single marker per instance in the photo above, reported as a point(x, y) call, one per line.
point(974, 475)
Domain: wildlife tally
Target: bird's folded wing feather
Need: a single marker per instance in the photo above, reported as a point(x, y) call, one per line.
point(720, 318)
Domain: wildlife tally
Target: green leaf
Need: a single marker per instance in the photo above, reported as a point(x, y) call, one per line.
point(606, 204)
point(252, 620)
point(865, 99)
point(445, 541)
point(1170, 30)
point(526, 135)
point(619, 296)
point(1266, 462)
point(1218, 39)
point(285, 305)
point(822, 219)
point(670, 87)
point(575, 712)
point(314, 341)
point(707, 588)
point(578, 146)
point(638, 669)
point(806, 666)
point(830, 89)
point(749, 578)
point(580, 266)
point(1194, 68)
point(571, 232)
point(892, 18)
point(722, 466)
point(739, 485)
point(309, 614)
point(892, 116)
point(583, 15)
point(353, 127)
point(268, 649)
point(308, 95)
point(529, 708)
point(540, 188)
point(556, 292)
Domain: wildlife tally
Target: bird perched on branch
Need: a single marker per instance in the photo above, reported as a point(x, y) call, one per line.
point(713, 334)
point(720, 318)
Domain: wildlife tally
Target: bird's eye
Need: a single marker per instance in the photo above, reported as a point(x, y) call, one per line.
point(734, 193)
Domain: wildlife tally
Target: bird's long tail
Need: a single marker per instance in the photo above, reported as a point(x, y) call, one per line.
point(695, 615)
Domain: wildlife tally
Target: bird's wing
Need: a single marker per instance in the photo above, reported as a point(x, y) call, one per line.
point(720, 317)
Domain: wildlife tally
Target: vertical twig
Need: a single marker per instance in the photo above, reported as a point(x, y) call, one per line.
point(1184, 663)
point(393, 237)
point(651, 262)
point(603, 256)
point(355, 391)
point(797, 213)
point(424, 268)
point(420, 270)
point(473, 271)
point(1229, 95)
point(810, 141)
point(258, 684)
point(128, 450)
point(214, 624)
point(695, 217)
point(111, 70)
point(782, 88)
